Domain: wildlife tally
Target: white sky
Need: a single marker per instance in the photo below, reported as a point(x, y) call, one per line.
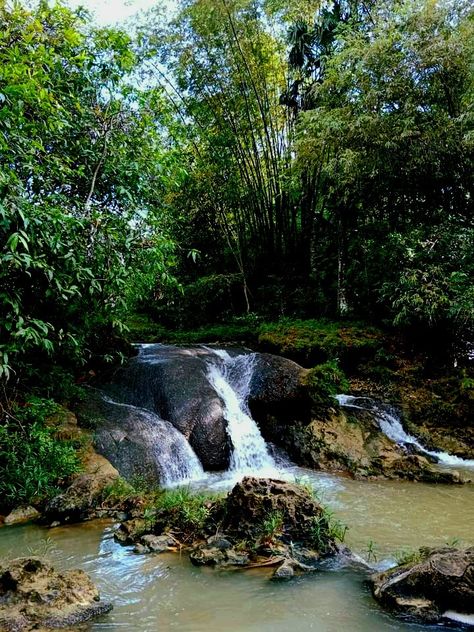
point(108, 12)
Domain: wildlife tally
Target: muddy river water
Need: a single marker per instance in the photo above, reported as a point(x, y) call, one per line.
point(165, 592)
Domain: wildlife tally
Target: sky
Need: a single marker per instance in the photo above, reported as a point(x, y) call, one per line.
point(109, 12)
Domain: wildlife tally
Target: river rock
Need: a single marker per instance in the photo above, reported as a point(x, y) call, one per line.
point(210, 554)
point(157, 543)
point(276, 387)
point(22, 514)
point(284, 572)
point(437, 582)
point(33, 595)
point(254, 501)
point(81, 499)
point(171, 382)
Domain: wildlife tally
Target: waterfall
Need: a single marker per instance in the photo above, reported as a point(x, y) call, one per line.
point(174, 457)
point(391, 425)
point(230, 377)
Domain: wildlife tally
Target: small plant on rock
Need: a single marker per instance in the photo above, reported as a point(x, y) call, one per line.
point(410, 557)
point(184, 511)
point(325, 529)
point(272, 526)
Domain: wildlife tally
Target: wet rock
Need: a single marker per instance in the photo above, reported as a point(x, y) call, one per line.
point(210, 555)
point(81, 500)
point(284, 572)
point(351, 441)
point(276, 387)
point(22, 514)
point(436, 582)
point(129, 437)
point(206, 555)
point(174, 385)
point(157, 543)
point(130, 531)
point(33, 595)
point(219, 542)
point(418, 468)
point(254, 501)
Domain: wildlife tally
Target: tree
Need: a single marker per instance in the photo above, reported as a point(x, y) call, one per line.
point(391, 131)
point(80, 184)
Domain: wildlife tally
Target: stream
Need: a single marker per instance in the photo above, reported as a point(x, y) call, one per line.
point(165, 592)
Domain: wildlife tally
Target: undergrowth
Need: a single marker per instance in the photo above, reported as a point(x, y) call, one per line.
point(34, 462)
point(181, 511)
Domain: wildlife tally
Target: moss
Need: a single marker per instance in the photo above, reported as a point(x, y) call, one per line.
point(316, 341)
point(243, 332)
point(324, 382)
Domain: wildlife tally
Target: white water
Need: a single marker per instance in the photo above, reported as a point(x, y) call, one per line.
point(390, 424)
point(230, 377)
point(172, 452)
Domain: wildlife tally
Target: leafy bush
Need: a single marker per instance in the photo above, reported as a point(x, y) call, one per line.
point(324, 382)
point(33, 462)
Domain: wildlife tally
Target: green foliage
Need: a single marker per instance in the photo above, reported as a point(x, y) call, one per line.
point(183, 511)
point(324, 382)
point(325, 529)
point(390, 131)
point(434, 286)
point(314, 341)
point(210, 298)
point(118, 491)
point(33, 462)
point(271, 526)
point(80, 184)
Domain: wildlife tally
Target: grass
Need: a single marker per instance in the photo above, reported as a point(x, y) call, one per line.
point(272, 526)
point(183, 511)
point(410, 557)
point(326, 528)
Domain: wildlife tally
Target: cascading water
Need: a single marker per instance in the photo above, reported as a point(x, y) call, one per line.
point(230, 377)
point(391, 425)
point(175, 459)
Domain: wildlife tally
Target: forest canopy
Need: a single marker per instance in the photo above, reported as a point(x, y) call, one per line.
point(250, 156)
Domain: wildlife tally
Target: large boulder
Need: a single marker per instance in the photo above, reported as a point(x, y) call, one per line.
point(172, 382)
point(137, 441)
point(33, 595)
point(82, 499)
point(435, 585)
point(277, 388)
point(255, 504)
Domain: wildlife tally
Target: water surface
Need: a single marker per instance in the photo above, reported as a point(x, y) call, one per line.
point(165, 592)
